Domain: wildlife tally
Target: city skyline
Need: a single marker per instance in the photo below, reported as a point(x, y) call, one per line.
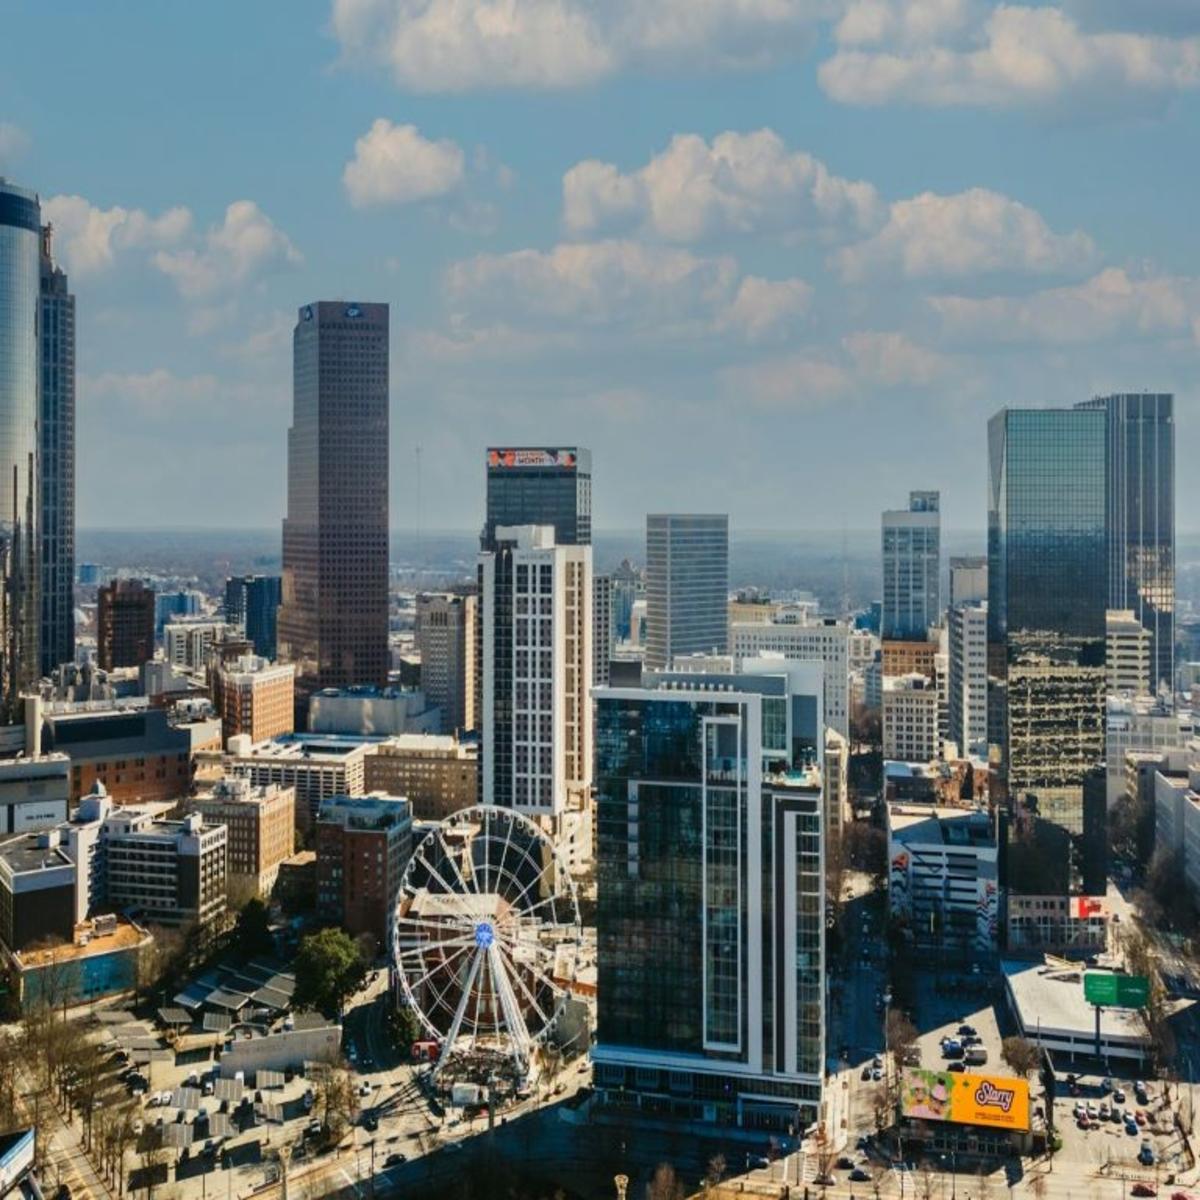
point(662, 250)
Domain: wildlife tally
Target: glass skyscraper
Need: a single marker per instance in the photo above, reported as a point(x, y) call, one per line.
point(333, 619)
point(252, 601)
point(1140, 463)
point(1047, 600)
point(912, 547)
point(540, 486)
point(57, 437)
point(711, 904)
point(20, 492)
point(687, 586)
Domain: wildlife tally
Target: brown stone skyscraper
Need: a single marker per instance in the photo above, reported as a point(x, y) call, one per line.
point(333, 620)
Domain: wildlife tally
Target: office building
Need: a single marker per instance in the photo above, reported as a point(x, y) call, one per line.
point(20, 497)
point(124, 624)
point(165, 872)
point(333, 618)
point(603, 630)
point(912, 599)
point(363, 845)
point(446, 642)
point(687, 586)
point(628, 587)
point(822, 640)
point(372, 712)
point(57, 440)
point(256, 697)
point(968, 579)
point(1144, 725)
point(252, 604)
point(540, 486)
point(835, 775)
point(944, 882)
point(1128, 653)
point(34, 792)
point(260, 824)
point(188, 644)
point(37, 890)
point(967, 686)
point(910, 718)
point(710, 873)
point(316, 766)
point(172, 606)
point(437, 773)
point(1046, 632)
point(536, 625)
point(1139, 463)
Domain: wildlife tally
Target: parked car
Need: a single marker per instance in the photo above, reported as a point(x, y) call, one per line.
point(1146, 1154)
point(1119, 1095)
point(967, 1030)
point(1143, 1189)
point(956, 1066)
point(1131, 1128)
point(860, 1175)
point(395, 1160)
point(845, 1163)
point(866, 1073)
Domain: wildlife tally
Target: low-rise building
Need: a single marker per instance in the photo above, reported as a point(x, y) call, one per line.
point(37, 890)
point(187, 644)
point(439, 774)
point(363, 845)
point(257, 698)
point(261, 828)
point(372, 712)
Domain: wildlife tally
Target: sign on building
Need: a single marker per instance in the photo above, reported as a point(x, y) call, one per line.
point(1111, 990)
point(996, 1101)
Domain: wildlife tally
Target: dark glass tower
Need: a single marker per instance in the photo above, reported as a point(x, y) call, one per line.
point(687, 585)
point(20, 495)
point(1046, 623)
point(1140, 464)
point(912, 598)
point(333, 619)
point(57, 437)
point(540, 487)
point(252, 601)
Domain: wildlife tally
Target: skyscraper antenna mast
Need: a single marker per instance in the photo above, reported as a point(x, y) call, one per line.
point(420, 557)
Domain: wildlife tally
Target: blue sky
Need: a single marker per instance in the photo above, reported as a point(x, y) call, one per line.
point(779, 257)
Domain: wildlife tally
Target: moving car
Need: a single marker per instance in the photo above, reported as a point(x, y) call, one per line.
point(395, 1160)
point(860, 1175)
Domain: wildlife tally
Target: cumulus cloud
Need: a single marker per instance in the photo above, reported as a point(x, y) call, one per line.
point(651, 290)
point(893, 360)
point(13, 142)
point(457, 45)
point(965, 234)
point(88, 239)
point(1004, 56)
point(394, 164)
point(1111, 306)
point(245, 243)
point(738, 183)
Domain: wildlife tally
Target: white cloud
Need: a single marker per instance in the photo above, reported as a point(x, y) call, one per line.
point(456, 45)
point(655, 292)
point(394, 164)
point(88, 239)
point(893, 360)
point(907, 22)
point(1111, 306)
point(245, 243)
point(153, 394)
point(965, 234)
point(13, 141)
point(1016, 55)
point(738, 183)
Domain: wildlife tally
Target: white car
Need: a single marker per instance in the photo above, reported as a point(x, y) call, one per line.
point(364, 1089)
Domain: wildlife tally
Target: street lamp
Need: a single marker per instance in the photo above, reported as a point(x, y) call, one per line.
point(621, 1182)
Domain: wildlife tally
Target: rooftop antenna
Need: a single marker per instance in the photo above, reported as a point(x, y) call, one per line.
point(845, 572)
point(420, 557)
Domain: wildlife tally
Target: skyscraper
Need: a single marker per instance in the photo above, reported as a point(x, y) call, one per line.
point(57, 437)
point(333, 619)
point(20, 488)
point(446, 630)
point(124, 624)
point(1140, 516)
point(1046, 629)
point(540, 486)
point(912, 568)
point(252, 601)
point(687, 586)
point(967, 687)
point(710, 872)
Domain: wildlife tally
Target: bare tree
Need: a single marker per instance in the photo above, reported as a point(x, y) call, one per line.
point(1021, 1055)
point(665, 1184)
point(715, 1172)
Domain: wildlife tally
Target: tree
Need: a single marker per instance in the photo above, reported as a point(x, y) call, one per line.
point(335, 1101)
point(252, 934)
point(866, 850)
point(901, 1035)
point(329, 967)
point(715, 1172)
point(1021, 1055)
point(665, 1184)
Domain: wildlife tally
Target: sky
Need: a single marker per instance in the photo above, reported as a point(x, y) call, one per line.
point(780, 258)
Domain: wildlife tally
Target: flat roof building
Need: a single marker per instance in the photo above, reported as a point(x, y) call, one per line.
point(261, 825)
point(437, 773)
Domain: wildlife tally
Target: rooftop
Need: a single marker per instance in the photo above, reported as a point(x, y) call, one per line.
point(23, 854)
point(1053, 996)
point(428, 743)
point(946, 825)
point(311, 745)
point(123, 935)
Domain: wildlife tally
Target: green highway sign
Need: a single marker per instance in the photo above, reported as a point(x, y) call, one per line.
point(1110, 990)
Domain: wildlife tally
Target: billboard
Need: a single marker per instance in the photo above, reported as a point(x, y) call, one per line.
point(1116, 991)
point(965, 1098)
point(531, 458)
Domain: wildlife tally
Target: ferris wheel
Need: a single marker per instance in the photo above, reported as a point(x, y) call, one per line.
point(488, 935)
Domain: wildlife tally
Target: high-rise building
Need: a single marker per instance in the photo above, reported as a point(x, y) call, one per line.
point(252, 602)
point(710, 873)
point(257, 698)
point(20, 484)
point(968, 579)
point(912, 567)
point(57, 437)
point(603, 629)
point(1046, 631)
point(169, 606)
point(687, 586)
point(910, 718)
point(628, 587)
point(540, 486)
point(1140, 516)
point(446, 642)
point(967, 700)
point(124, 624)
point(333, 619)
point(189, 644)
point(1128, 653)
point(536, 624)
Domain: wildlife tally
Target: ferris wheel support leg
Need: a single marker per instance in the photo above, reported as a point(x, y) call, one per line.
point(459, 1013)
point(511, 1009)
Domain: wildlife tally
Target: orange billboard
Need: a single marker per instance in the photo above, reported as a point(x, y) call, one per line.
point(997, 1101)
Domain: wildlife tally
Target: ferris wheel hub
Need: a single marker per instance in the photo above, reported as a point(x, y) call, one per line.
point(485, 935)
